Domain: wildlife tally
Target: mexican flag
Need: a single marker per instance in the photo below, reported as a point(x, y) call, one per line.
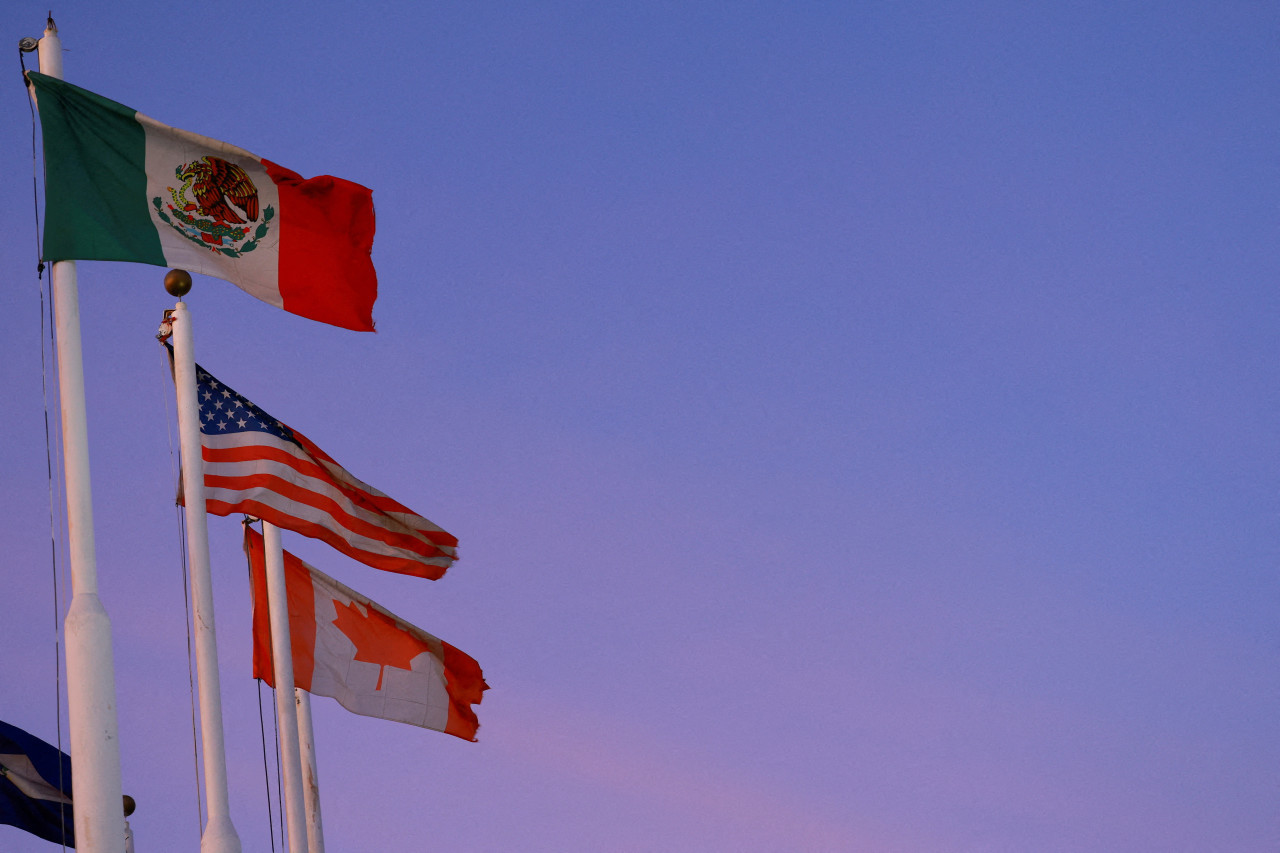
point(120, 186)
point(353, 650)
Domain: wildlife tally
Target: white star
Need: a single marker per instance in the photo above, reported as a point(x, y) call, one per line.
point(242, 422)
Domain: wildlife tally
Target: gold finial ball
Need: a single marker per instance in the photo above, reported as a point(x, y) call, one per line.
point(177, 282)
point(129, 805)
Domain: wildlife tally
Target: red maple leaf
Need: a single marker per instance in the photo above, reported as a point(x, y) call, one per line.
point(377, 638)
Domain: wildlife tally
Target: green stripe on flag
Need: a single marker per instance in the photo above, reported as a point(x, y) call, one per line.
point(95, 178)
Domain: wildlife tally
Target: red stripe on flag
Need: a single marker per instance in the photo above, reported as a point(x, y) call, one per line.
point(465, 683)
point(326, 239)
point(302, 615)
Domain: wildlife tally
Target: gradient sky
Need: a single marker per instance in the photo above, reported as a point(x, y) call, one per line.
point(859, 419)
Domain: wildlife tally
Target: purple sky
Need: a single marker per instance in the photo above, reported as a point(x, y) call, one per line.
point(859, 419)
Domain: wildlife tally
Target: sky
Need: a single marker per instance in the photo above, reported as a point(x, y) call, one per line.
point(858, 419)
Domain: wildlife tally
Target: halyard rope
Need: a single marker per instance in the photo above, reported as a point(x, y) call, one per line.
point(266, 773)
point(176, 473)
point(48, 445)
point(262, 728)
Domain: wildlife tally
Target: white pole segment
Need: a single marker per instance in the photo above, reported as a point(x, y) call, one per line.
point(51, 51)
point(91, 681)
point(282, 668)
point(219, 833)
point(310, 772)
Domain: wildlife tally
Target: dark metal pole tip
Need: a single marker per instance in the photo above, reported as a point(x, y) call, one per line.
point(177, 282)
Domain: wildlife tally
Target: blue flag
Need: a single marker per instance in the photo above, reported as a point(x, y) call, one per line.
point(35, 786)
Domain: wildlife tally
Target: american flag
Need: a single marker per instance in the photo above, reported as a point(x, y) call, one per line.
point(257, 465)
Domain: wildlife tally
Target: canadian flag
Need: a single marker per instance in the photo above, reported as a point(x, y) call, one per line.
point(371, 661)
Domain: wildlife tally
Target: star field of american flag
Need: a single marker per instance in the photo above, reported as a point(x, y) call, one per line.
point(223, 411)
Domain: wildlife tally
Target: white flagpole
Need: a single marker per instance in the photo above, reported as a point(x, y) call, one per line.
point(219, 833)
point(310, 772)
point(91, 681)
point(282, 668)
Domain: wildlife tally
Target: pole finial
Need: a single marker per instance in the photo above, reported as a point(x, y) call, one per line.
point(177, 282)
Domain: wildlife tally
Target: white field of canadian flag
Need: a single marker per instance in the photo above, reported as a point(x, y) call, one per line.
point(353, 650)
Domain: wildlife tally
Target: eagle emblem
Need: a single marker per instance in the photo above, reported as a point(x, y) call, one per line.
point(215, 206)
